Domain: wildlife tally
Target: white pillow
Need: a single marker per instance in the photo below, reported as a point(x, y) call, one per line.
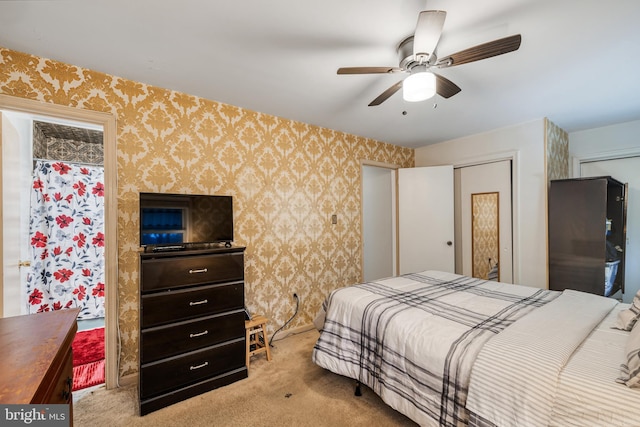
point(627, 318)
point(630, 371)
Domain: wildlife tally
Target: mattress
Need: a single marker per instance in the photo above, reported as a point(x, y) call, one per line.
point(450, 350)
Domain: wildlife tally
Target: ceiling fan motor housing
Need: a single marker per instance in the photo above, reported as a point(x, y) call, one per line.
point(406, 58)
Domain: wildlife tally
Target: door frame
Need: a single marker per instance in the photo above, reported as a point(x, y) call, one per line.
point(601, 155)
point(392, 167)
point(108, 123)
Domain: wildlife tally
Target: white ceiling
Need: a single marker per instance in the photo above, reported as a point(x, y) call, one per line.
point(577, 65)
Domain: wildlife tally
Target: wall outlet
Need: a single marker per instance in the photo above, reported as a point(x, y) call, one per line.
point(334, 219)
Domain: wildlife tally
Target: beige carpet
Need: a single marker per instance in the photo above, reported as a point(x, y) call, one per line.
point(288, 391)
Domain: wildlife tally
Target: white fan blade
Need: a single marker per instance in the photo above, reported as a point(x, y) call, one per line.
point(427, 35)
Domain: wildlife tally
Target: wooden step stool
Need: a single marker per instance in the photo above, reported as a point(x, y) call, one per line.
point(256, 328)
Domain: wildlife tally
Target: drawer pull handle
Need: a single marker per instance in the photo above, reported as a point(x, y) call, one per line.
point(66, 393)
point(192, 303)
point(198, 270)
point(199, 334)
point(202, 365)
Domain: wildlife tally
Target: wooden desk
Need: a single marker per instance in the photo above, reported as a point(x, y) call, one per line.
point(36, 364)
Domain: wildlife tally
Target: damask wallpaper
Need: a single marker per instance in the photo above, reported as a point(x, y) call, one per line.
point(557, 151)
point(485, 233)
point(287, 179)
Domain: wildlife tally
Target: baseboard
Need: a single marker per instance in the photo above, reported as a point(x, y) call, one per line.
point(293, 331)
point(127, 380)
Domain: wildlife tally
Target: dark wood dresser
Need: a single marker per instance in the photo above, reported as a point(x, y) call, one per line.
point(192, 336)
point(587, 222)
point(36, 364)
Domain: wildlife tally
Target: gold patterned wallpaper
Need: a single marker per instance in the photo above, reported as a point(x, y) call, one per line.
point(287, 179)
point(557, 151)
point(485, 234)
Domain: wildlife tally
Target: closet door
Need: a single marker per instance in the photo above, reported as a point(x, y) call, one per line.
point(425, 219)
point(492, 177)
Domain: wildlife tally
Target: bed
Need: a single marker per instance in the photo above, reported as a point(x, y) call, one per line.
point(451, 350)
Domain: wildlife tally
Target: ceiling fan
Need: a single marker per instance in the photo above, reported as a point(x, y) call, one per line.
point(417, 55)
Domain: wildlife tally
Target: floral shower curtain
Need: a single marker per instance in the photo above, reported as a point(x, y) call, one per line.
point(67, 239)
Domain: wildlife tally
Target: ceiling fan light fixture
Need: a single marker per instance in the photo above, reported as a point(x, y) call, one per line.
point(419, 86)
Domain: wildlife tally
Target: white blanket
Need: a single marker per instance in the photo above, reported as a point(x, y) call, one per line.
point(515, 376)
point(413, 339)
point(588, 394)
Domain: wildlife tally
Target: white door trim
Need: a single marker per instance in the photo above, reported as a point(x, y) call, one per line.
point(108, 123)
point(601, 155)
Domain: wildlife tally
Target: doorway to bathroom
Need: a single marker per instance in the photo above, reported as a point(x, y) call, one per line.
point(97, 286)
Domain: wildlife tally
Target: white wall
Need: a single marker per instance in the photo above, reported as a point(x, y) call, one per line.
point(525, 145)
point(378, 222)
point(607, 141)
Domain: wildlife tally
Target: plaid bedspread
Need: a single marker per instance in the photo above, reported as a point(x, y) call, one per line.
point(413, 339)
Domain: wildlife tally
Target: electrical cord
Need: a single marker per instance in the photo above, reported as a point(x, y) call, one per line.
point(288, 321)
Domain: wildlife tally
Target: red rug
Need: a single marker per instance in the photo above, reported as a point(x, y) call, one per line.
point(88, 358)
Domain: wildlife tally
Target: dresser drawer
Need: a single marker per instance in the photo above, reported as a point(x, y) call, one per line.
point(171, 340)
point(171, 306)
point(61, 391)
point(164, 273)
point(159, 377)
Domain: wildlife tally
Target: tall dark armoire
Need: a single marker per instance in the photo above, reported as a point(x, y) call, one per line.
point(587, 234)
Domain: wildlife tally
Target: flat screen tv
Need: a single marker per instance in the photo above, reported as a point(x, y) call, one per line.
point(183, 220)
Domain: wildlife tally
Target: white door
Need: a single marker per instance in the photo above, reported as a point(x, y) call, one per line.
point(625, 170)
point(15, 199)
point(425, 219)
point(378, 222)
point(486, 178)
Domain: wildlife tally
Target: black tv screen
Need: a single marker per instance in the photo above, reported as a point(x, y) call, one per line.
point(180, 219)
